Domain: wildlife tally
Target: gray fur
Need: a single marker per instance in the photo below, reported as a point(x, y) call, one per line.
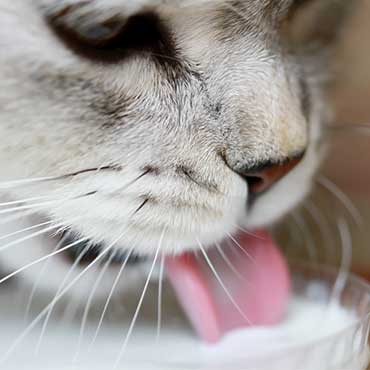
point(231, 95)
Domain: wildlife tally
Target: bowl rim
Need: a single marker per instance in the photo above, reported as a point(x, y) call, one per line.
point(297, 266)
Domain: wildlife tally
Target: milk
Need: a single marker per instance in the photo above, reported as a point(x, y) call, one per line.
point(313, 336)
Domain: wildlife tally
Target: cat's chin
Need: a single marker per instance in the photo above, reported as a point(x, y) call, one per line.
point(50, 264)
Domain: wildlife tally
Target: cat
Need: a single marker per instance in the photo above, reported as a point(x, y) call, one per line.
point(129, 123)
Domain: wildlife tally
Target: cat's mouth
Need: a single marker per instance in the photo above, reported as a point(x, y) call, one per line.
point(84, 251)
point(232, 288)
point(224, 291)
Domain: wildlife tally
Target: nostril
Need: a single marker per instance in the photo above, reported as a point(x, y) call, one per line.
point(254, 183)
point(264, 176)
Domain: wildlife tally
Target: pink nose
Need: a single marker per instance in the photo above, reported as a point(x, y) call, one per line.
point(264, 178)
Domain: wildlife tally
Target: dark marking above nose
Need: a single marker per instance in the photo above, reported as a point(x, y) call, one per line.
point(192, 176)
point(149, 169)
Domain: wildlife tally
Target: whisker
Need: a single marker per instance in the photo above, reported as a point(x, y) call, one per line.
point(29, 206)
point(61, 250)
point(218, 278)
point(136, 314)
point(342, 197)
point(235, 251)
point(30, 181)
point(323, 226)
point(160, 291)
point(142, 205)
point(248, 232)
point(33, 235)
point(346, 260)
point(16, 217)
point(229, 263)
point(27, 200)
point(118, 276)
point(39, 277)
point(241, 248)
point(132, 182)
point(307, 236)
point(25, 229)
point(38, 205)
point(69, 311)
point(19, 183)
point(39, 317)
point(88, 304)
point(60, 288)
point(349, 128)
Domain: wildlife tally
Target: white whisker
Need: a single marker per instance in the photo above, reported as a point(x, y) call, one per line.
point(70, 311)
point(346, 260)
point(5, 220)
point(116, 280)
point(218, 278)
point(88, 304)
point(38, 280)
point(160, 291)
point(229, 263)
point(60, 295)
point(2, 237)
point(324, 228)
point(350, 128)
point(131, 182)
point(38, 233)
point(248, 232)
point(61, 250)
point(60, 288)
point(241, 248)
point(42, 204)
point(133, 322)
point(235, 251)
point(19, 183)
point(343, 198)
point(307, 236)
point(27, 200)
point(6, 185)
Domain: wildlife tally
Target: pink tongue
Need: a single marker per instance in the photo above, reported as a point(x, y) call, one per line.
point(254, 274)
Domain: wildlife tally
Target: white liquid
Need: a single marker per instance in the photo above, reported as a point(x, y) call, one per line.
point(279, 348)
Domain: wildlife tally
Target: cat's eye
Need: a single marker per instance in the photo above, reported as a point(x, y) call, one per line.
point(85, 26)
point(111, 39)
point(100, 34)
point(87, 32)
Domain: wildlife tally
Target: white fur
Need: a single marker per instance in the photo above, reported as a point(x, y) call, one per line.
point(49, 129)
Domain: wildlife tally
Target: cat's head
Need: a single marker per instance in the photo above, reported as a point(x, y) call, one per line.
point(183, 122)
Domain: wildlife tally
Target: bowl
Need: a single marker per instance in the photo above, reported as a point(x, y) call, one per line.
point(320, 332)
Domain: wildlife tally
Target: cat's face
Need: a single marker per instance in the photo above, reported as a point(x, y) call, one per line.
point(156, 128)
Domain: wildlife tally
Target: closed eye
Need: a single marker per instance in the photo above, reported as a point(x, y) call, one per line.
point(113, 39)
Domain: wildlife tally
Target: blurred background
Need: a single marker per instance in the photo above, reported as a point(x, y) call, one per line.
point(317, 225)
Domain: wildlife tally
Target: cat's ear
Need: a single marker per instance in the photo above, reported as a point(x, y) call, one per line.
point(317, 23)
